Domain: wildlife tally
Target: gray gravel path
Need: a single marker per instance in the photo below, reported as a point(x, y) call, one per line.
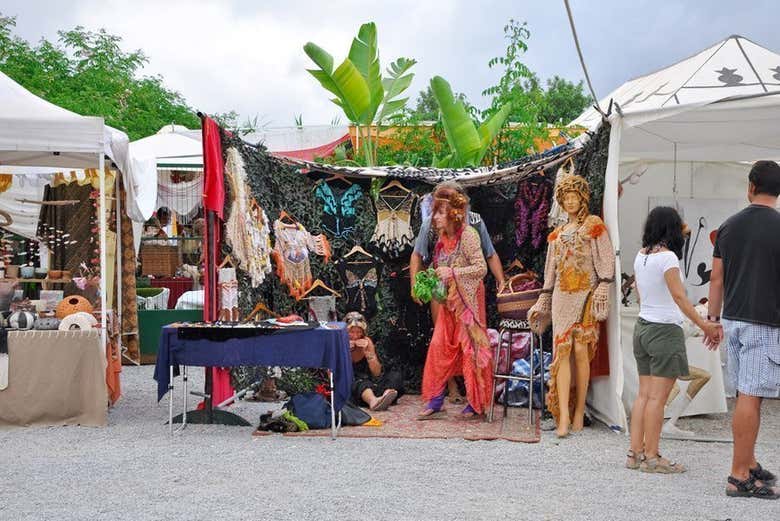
point(134, 470)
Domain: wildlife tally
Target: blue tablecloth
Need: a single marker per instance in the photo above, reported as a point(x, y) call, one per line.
point(316, 348)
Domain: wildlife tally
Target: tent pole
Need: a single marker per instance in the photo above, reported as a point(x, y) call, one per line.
point(118, 241)
point(103, 262)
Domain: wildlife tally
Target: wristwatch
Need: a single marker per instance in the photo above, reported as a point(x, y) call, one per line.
point(713, 319)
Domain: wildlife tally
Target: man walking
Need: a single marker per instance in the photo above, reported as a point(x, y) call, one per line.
point(745, 282)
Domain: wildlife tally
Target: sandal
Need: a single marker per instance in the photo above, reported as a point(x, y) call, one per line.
point(748, 488)
point(763, 475)
point(637, 458)
point(456, 400)
point(660, 465)
point(433, 409)
point(384, 401)
point(468, 414)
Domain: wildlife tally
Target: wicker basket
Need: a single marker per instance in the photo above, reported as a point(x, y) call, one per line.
point(514, 303)
point(159, 260)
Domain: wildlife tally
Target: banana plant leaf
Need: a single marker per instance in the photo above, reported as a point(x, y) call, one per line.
point(364, 54)
point(396, 83)
point(490, 128)
point(462, 135)
point(346, 83)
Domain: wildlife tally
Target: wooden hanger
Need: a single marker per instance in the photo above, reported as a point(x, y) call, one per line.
point(395, 183)
point(337, 176)
point(260, 306)
point(515, 264)
point(227, 260)
point(284, 215)
point(319, 284)
point(358, 249)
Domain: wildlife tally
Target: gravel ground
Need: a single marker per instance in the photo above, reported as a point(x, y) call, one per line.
point(134, 470)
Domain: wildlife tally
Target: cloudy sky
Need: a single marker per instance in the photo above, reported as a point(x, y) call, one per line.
point(247, 55)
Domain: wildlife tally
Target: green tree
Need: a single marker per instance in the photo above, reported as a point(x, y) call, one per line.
point(563, 101)
point(89, 73)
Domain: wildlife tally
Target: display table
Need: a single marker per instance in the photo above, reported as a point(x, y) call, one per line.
point(323, 347)
point(55, 378)
point(712, 397)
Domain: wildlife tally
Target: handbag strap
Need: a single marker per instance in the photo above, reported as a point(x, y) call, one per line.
point(508, 288)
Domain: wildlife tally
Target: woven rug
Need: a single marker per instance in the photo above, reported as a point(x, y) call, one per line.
point(400, 422)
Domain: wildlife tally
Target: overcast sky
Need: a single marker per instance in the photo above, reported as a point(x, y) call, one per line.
point(248, 56)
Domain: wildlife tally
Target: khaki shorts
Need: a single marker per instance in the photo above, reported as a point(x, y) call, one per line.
point(659, 349)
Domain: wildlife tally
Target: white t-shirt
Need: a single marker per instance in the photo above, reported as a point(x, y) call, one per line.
point(656, 303)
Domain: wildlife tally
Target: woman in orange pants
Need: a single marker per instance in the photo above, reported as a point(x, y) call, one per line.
point(460, 343)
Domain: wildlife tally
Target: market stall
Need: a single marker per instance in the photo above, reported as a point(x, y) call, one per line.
point(55, 283)
point(683, 136)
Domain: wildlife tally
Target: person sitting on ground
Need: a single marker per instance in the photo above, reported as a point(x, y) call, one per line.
point(377, 389)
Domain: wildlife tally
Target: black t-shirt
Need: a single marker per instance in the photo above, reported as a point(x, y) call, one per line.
point(749, 245)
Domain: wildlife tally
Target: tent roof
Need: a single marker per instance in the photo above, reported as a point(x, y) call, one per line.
point(732, 68)
point(38, 133)
point(722, 104)
point(171, 149)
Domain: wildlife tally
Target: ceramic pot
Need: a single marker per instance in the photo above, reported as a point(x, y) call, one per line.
point(55, 274)
point(27, 272)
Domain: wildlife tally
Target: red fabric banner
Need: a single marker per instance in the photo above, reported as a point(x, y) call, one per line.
point(213, 174)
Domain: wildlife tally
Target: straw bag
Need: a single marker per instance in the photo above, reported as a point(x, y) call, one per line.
point(518, 294)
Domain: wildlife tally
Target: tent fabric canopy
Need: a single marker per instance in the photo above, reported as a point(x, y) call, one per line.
point(721, 104)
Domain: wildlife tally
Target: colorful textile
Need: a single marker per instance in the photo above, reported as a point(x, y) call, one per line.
point(214, 182)
point(360, 279)
point(460, 342)
point(291, 253)
point(338, 208)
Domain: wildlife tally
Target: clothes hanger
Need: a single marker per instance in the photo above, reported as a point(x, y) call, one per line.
point(227, 260)
point(319, 284)
point(339, 177)
point(395, 183)
point(260, 306)
point(515, 264)
point(290, 219)
point(358, 249)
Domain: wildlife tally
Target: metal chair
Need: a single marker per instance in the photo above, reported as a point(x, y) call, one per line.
point(507, 330)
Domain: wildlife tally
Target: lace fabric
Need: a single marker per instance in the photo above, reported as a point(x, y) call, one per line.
point(393, 235)
point(322, 309)
point(291, 251)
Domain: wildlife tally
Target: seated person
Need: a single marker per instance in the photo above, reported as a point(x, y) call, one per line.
point(371, 386)
point(153, 228)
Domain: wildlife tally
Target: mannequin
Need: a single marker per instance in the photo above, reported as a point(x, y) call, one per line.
point(579, 269)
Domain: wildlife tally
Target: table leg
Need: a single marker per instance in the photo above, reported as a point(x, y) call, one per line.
point(170, 399)
point(208, 403)
point(531, 384)
point(332, 407)
point(186, 392)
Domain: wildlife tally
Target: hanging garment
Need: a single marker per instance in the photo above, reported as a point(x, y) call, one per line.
point(558, 216)
point(532, 207)
point(246, 229)
point(228, 294)
point(393, 235)
point(338, 211)
point(360, 278)
point(322, 309)
point(291, 252)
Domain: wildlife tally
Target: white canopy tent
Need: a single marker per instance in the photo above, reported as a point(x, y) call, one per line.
point(34, 132)
point(717, 107)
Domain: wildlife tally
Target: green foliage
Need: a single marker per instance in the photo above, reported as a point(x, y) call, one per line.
point(563, 101)
point(89, 73)
point(468, 143)
point(230, 121)
point(358, 86)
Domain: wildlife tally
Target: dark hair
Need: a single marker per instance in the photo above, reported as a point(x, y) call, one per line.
point(664, 227)
point(765, 176)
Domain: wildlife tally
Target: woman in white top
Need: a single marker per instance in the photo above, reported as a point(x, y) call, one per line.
point(659, 342)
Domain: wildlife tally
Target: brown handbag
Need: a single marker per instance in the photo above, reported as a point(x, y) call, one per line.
point(514, 303)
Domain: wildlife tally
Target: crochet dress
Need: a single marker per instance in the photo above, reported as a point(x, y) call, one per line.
point(291, 253)
point(460, 341)
point(580, 263)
